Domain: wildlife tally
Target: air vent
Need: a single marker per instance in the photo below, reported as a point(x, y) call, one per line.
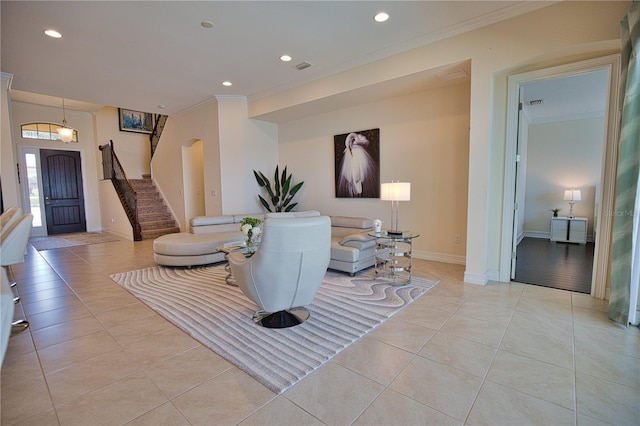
point(535, 102)
point(302, 65)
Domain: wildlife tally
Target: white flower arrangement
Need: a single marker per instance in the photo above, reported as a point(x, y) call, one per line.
point(250, 227)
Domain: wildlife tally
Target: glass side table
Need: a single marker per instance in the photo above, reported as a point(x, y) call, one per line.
point(393, 256)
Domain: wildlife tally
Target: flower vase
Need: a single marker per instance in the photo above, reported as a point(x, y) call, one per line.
point(251, 245)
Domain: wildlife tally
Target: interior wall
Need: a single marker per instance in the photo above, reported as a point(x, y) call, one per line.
point(246, 145)
point(198, 123)
point(10, 191)
point(424, 139)
point(133, 149)
point(562, 155)
point(193, 169)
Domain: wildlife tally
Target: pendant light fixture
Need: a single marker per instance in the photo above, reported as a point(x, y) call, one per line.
point(65, 133)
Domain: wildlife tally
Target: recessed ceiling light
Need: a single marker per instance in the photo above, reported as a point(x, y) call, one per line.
point(53, 33)
point(285, 58)
point(206, 24)
point(381, 17)
point(226, 83)
point(161, 106)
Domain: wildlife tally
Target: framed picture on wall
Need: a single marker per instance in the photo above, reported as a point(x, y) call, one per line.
point(357, 164)
point(135, 121)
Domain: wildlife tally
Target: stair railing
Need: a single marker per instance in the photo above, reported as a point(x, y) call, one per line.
point(112, 169)
point(159, 121)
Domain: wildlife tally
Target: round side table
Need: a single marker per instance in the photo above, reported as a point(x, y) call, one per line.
point(393, 256)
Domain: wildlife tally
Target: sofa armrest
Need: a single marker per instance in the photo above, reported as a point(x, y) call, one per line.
point(359, 241)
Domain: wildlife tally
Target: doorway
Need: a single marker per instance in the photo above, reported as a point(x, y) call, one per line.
point(193, 179)
point(514, 195)
point(52, 190)
point(561, 148)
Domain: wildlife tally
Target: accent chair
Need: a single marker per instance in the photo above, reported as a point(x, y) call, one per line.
point(286, 270)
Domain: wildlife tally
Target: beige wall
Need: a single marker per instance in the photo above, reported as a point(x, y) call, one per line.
point(133, 149)
point(562, 155)
point(424, 139)
point(8, 171)
point(245, 145)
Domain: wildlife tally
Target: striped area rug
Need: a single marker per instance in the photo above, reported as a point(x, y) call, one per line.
point(219, 316)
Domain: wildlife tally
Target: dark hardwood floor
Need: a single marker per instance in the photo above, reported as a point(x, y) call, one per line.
point(557, 265)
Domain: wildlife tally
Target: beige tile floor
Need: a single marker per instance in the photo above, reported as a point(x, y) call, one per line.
point(502, 354)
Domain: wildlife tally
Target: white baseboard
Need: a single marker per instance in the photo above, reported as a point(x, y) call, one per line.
point(493, 275)
point(481, 279)
point(440, 257)
point(537, 234)
point(478, 279)
point(545, 236)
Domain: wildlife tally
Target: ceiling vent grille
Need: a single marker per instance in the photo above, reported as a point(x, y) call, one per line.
point(302, 65)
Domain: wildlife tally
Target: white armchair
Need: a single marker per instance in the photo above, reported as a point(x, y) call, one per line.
point(13, 243)
point(9, 215)
point(287, 269)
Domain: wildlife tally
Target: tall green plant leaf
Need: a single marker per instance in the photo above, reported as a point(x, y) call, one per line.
point(281, 194)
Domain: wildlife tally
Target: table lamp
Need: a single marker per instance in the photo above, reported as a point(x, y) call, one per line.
point(395, 192)
point(572, 195)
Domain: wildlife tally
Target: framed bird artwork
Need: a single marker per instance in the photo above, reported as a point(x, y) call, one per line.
point(357, 164)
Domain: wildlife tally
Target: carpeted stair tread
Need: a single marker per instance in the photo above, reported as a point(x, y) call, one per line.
point(155, 233)
point(154, 217)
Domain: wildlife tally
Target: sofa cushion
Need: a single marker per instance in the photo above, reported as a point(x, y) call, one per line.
point(351, 222)
point(187, 244)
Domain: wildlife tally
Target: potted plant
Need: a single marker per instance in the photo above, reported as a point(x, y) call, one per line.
point(282, 192)
point(555, 212)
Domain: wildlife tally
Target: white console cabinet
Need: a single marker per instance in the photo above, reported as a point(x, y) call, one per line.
point(569, 230)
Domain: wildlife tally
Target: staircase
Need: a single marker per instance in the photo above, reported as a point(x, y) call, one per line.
point(153, 215)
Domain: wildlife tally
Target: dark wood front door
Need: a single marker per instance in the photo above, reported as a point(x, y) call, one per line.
point(62, 190)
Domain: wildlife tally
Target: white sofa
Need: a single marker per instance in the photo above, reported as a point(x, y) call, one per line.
point(351, 248)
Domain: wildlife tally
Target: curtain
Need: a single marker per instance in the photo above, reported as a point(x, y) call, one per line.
point(628, 168)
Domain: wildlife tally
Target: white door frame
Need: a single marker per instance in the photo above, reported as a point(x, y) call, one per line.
point(609, 164)
point(36, 231)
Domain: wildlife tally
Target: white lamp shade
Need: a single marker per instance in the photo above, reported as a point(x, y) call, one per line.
point(65, 133)
point(572, 195)
point(395, 191)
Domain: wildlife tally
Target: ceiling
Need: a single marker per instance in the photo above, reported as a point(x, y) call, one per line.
point(156, 56)
point(580, 95)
